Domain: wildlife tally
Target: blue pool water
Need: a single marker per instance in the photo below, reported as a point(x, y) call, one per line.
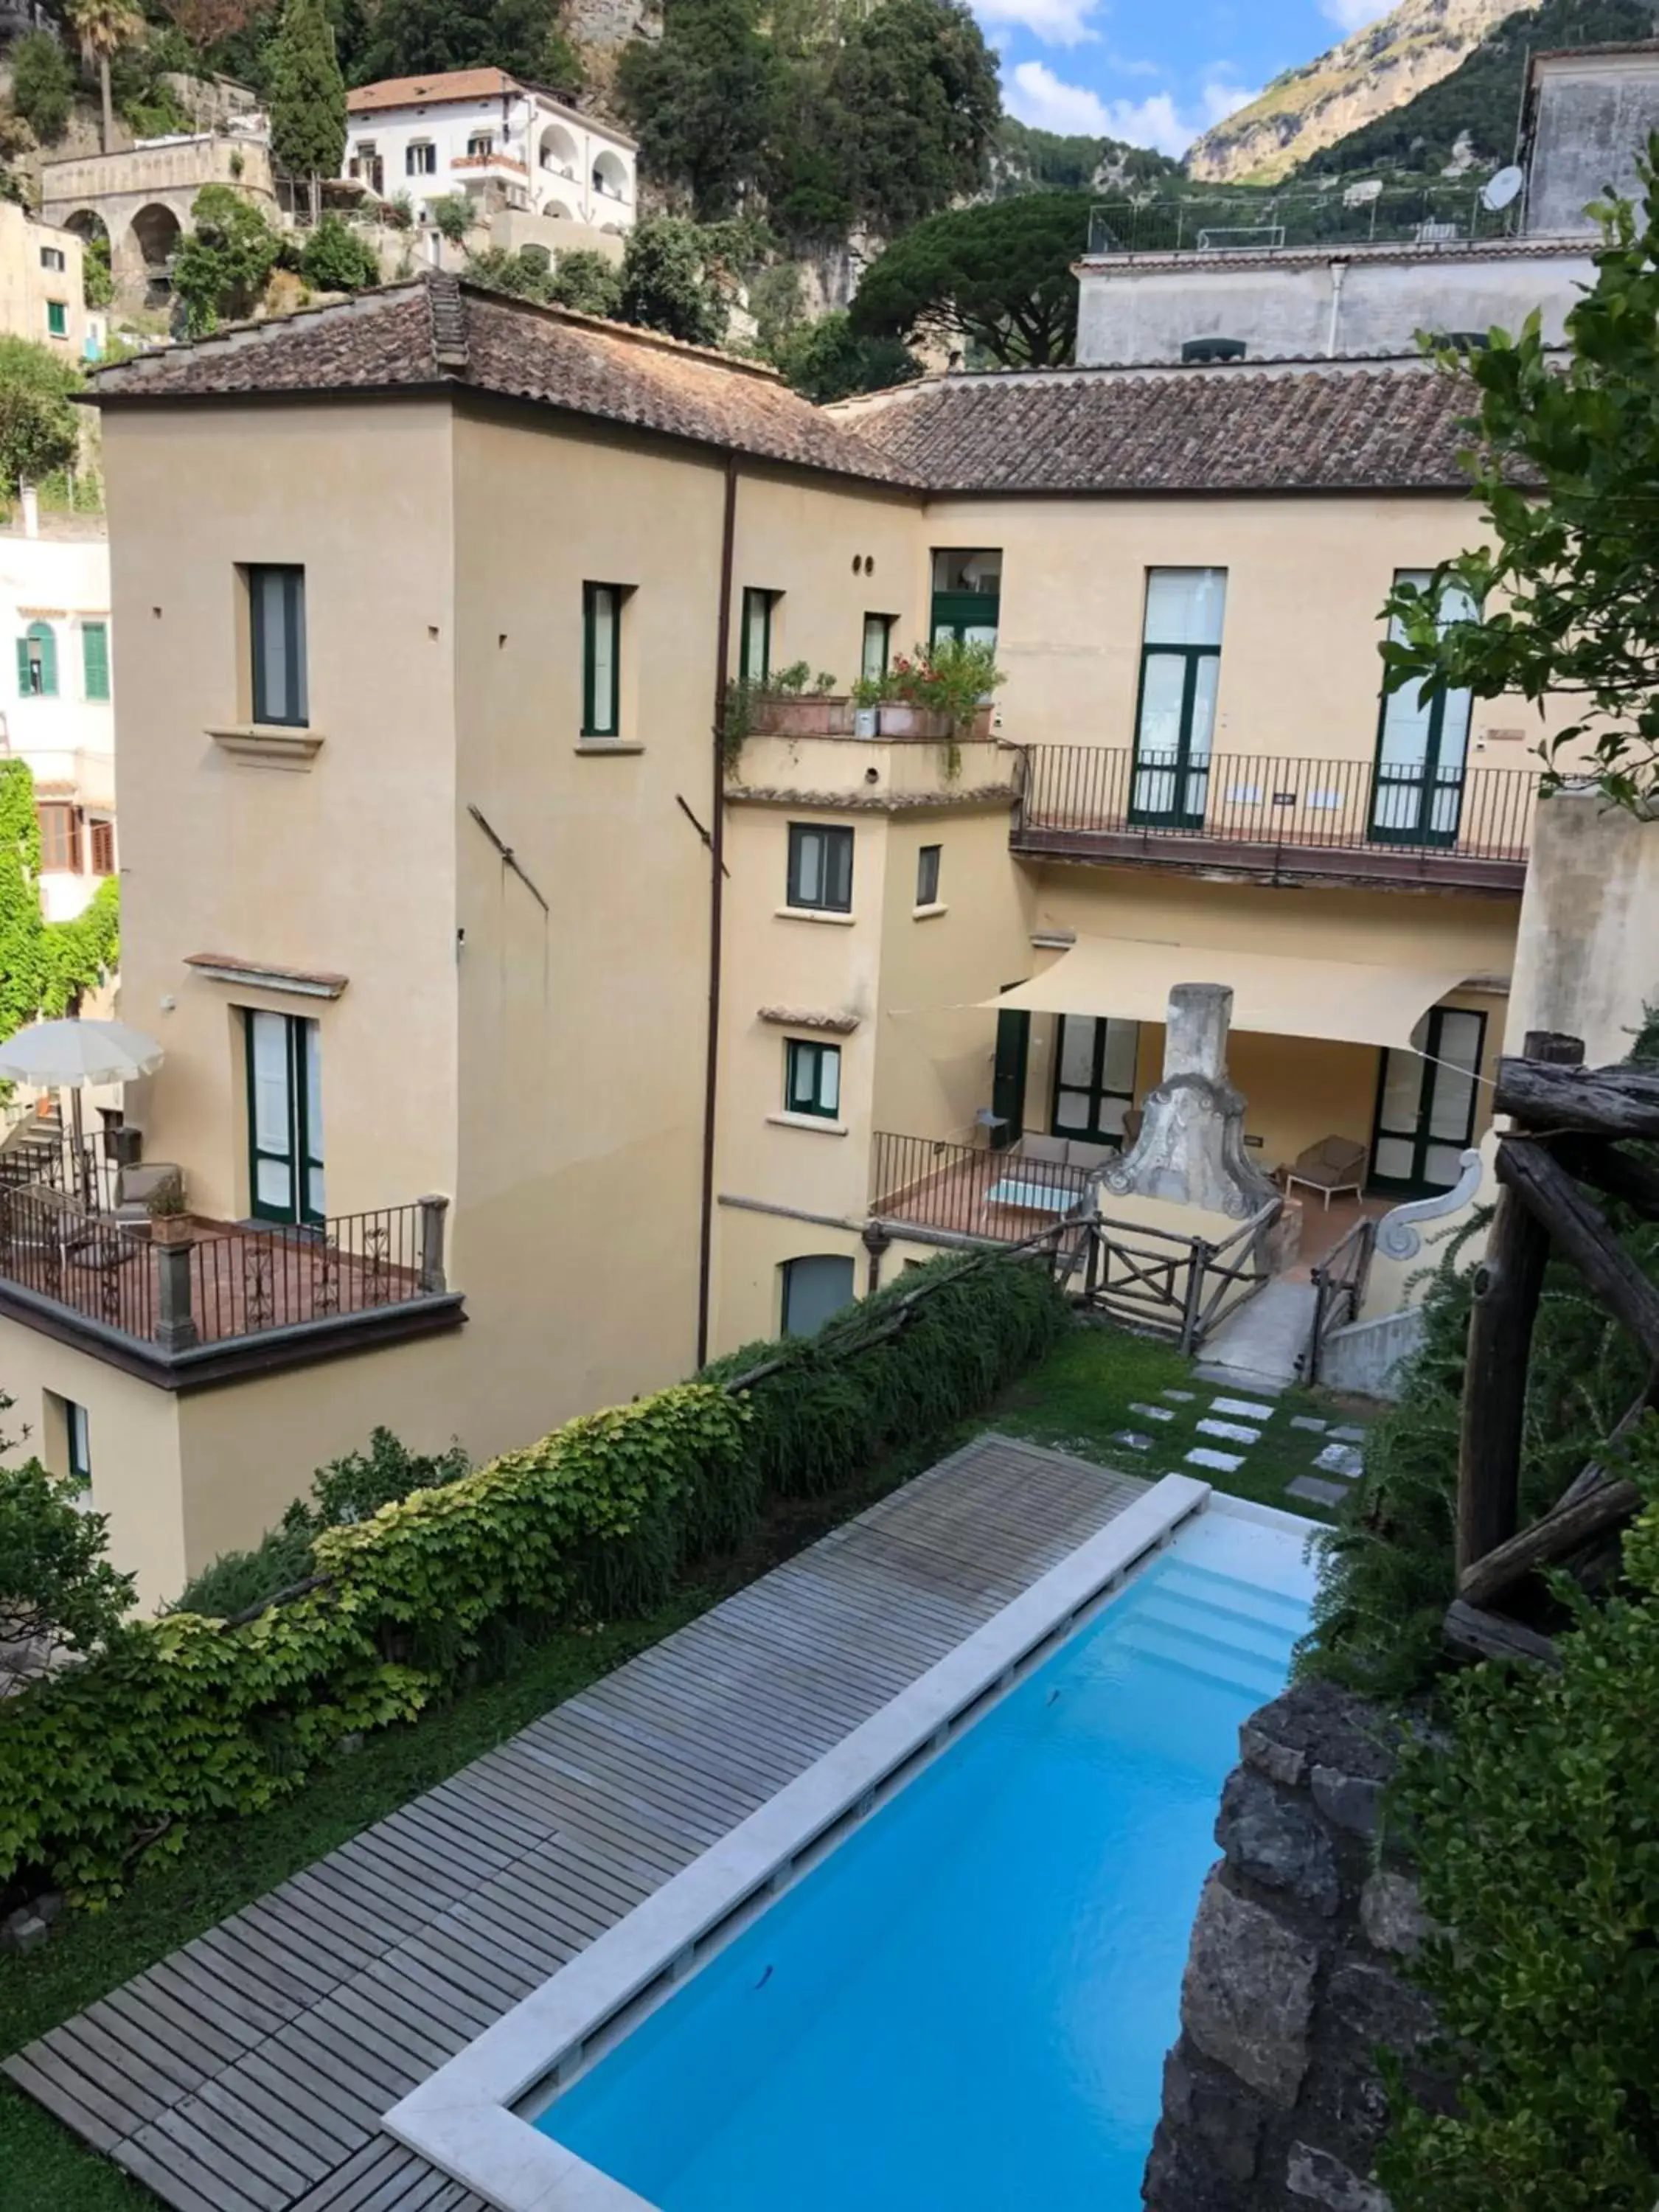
point(966, 2004)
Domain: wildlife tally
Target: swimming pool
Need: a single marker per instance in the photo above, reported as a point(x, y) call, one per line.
point(966, 2004)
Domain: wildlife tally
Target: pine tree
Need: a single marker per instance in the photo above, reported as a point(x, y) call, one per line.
point(308, 101)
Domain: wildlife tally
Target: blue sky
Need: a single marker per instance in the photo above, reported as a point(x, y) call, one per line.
point(1149, 72)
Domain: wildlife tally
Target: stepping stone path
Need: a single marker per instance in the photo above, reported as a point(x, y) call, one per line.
point(1322, 1493)
point(1307, 1421)
point(1222, 1462)
point(1249, 1409)
point(1340, 1459)
point(1153, 1412)
point(1134, 1442)
point(1182, 1397)
point(1235, 1432)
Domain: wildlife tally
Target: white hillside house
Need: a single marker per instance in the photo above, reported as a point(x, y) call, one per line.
point(503, 143)
point(56, 711)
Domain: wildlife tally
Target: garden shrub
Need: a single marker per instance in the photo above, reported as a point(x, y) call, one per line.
point(337, 259)
point(1533, 1818)
point(423, 1567)
point(827, 1412)
point(1388, 1566)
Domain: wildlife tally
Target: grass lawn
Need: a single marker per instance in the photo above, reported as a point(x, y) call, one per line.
point(1084, 1392)
point(1076, 1402)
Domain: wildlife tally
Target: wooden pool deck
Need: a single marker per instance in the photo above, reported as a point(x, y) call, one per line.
point(249, 2072)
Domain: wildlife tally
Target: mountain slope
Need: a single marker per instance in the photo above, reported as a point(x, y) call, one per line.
point(1376, 71)
point(1475, 111)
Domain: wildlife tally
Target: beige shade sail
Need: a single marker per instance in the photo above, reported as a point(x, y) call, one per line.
point(1131, 978)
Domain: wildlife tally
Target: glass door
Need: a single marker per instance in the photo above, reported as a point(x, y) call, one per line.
point(1425, 1102)
point(1422, 746)
point(285, 1117)
point(967, 601)
point(1094, 1078)
point(1175, 716)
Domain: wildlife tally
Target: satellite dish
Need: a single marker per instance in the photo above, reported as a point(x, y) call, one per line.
point(1498, 192)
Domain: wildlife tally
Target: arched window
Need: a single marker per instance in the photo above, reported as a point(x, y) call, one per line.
point(815, 1286)
point(37, 662)
point(610, 176)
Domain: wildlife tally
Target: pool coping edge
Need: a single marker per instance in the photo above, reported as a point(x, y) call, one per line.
point(461, 2118)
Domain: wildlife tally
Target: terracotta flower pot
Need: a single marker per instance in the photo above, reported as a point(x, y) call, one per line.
point(172, 1228)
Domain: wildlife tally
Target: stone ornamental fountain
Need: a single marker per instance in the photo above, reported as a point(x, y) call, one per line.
point(1190, 1151)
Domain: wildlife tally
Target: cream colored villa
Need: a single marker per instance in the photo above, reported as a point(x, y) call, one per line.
point(517, 1054)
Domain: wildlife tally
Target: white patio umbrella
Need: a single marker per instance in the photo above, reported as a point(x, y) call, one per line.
point(74, 1054)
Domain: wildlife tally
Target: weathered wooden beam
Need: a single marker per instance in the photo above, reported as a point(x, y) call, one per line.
point(1619, 1174)
point(1582, 1234)
point(1598, 1102)
point(1607, 1505)
point(1489, 1636)
point(1506, 1286)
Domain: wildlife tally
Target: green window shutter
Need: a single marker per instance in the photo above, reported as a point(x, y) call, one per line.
point(24, 687)
point(47, 638)
point(95, 648)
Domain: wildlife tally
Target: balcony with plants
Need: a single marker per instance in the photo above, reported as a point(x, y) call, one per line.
point(919, 733)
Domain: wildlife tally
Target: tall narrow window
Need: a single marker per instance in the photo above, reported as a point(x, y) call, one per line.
point(285, 1116)
point(1422, 744)
point(602, 660)
point(1094, 1078)
point(812, 1078)
point(276, 626)
point(481, 145)
point(56, 319)
point(69, 1439)
point(927, 860)
point(1427, 1102)
point(101, 835)
point(37, 662)
point(1180, 674)
point(95, 659)
point(878, 646)
point(754, 645)
point(60, 839)
point(820, 868)
point(421, 158)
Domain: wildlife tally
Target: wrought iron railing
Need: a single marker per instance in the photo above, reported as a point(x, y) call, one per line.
point(968, 1191)
point(224, 1283)
point(1274, 802)
point(1427, 215)
point(43, 1156)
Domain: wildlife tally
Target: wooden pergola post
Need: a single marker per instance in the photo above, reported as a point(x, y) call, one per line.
point(1507, 1285)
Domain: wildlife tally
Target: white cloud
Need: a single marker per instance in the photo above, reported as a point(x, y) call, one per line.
point(1353, 14)
point(1055, 22)
point(1047, 103)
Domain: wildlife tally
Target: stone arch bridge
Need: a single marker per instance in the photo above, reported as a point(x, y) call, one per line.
point(141, 199)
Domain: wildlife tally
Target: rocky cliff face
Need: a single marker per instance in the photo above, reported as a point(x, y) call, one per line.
point(1376, 69)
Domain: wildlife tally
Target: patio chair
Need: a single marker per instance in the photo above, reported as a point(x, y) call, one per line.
point(1334, 1164)
point(137, 1184)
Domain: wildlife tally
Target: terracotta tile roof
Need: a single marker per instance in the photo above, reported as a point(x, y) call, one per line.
point(1249, 428)
point(1211, 428)
point(436, 331)
point(422, 91)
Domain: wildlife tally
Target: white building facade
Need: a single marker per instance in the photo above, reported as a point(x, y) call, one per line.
point(503, 143)
point(58, 714)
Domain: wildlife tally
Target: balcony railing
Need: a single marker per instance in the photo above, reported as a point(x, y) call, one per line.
point(227, 1283)
point(969, 1193)
point(1259, 813)
point(1278, 222)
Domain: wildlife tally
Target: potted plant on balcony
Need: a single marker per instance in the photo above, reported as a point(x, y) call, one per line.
point(171, 1221)
point(795, 703)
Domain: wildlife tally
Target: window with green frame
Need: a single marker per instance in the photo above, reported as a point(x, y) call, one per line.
point(967, 593)
point(95, 659)
point(927, 860)
point(56, 319)
point(1094, 1077)
point(820, 868)
point(602, 606)
point(754, 639)
point(812, 1078)
point(276, 627)
point(37, 662)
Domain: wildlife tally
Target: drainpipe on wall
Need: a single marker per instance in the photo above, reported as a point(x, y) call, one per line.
point(1339, 270)
point(716, 902)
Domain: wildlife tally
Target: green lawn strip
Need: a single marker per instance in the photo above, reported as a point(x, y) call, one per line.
point(227, 1864)
point(1081, 1397)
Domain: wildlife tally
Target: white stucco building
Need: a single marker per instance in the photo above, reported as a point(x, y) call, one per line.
point(504, 143)
point(57, 712)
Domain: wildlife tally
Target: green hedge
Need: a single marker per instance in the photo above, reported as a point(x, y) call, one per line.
point(187, 1718)
point(1534, 1817)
